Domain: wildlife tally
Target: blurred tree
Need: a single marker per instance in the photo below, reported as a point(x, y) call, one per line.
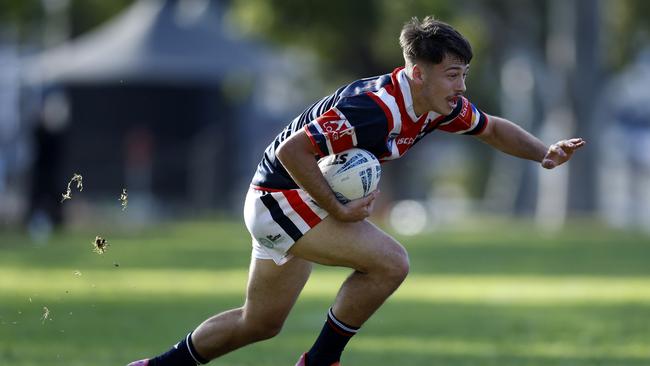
point(353, 38)
point(20, 18)
point(337, 31)
point(627, 30)
point(26, 18)
point(350, 38)
point(87, 14)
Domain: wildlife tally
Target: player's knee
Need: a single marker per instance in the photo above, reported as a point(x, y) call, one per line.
point(397, 265)
point(392, 267)
point(265, 330)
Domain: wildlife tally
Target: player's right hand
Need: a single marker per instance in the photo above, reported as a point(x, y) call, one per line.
point(356, 210)
point(561, 151)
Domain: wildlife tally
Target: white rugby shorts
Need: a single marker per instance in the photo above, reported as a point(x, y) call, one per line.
point(277, 219)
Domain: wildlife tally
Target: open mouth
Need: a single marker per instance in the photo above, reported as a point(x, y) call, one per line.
point(452, 101)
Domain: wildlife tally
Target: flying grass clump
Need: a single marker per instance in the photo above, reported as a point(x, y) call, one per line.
point(46, 315)
point(100, 245)
point(124, 199)
point(75, 178)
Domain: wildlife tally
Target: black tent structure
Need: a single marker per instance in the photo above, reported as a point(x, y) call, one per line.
point(164, 41)
point(161, 100)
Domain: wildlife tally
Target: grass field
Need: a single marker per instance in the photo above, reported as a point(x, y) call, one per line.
point(504, 295)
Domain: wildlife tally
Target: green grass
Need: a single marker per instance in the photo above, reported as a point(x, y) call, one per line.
point(503, 295)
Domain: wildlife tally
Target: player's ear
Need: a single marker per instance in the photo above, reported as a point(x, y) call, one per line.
point(418, 76)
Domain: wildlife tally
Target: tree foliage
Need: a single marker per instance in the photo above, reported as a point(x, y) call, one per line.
point(350, 37)
point(25, 19)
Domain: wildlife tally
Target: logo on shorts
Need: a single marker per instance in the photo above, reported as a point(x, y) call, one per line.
point(269, 241)
point(273, 238)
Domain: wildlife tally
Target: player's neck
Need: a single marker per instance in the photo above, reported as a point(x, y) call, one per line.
point(418, 104)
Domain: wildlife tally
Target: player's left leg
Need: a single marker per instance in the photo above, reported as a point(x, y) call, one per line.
point(380, 265)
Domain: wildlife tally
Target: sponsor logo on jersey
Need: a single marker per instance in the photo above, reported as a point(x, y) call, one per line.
point(464, 108)
point(337, 132)
point(337, 135)
point(405, 140)
point(465, 115)
point(335, 127)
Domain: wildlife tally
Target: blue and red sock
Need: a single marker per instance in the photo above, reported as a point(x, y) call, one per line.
point(329, 345)
point(182, 354)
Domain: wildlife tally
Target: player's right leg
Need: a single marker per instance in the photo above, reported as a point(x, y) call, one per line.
point(271, 293)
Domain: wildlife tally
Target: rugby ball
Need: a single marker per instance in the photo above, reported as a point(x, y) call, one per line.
point(352, 174)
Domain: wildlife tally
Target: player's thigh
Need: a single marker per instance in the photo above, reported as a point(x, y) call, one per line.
point(272, 289)
point(359, 245)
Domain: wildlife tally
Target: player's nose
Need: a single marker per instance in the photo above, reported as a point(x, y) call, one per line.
point(460, 86)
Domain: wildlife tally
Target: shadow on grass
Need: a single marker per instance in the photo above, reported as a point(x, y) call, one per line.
point(126, 322)
point(88, 332)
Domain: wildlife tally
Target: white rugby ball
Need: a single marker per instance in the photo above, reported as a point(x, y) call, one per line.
point(352, 174)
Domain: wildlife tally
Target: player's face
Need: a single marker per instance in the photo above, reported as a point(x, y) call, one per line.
point(442, 84)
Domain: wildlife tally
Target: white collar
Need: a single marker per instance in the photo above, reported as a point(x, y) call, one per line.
point(404, 86)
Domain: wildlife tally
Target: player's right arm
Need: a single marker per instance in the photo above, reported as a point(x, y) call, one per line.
point(514, 140)
point(508, 137)
point(297, 155)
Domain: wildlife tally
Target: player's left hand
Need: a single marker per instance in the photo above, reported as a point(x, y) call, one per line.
point(561, 151)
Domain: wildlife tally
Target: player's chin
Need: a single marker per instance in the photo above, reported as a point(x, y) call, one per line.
point(446, 108)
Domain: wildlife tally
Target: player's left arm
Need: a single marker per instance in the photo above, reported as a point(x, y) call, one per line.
point(514, 140)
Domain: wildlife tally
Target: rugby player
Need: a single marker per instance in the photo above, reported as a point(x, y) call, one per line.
point(295, 219)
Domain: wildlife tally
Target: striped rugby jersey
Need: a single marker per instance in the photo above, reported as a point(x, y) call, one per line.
point(375, 114)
